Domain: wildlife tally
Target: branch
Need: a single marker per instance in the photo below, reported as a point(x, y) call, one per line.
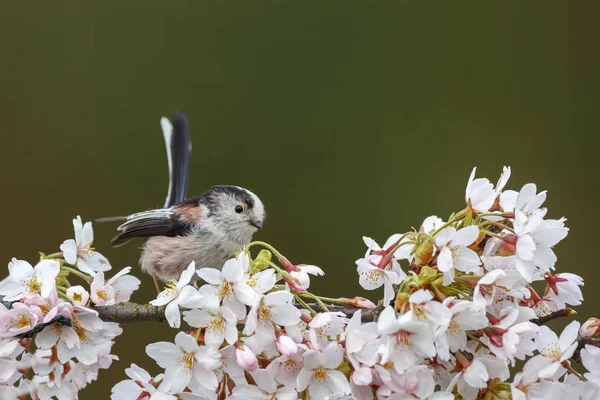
point(594, 341)
point(132, 312)
point(565, 312)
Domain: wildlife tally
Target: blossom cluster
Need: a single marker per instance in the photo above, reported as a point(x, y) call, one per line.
point(52, 342)
point(459, 309)
point(464, 300)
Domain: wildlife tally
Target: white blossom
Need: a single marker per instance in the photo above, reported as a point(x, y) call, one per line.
point(179, 294)
point(454, 253)
point(319, 373)
point(26, 281)
point(81, 252)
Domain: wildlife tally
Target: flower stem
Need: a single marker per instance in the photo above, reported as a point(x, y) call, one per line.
point(492, 234)
point(54, 255)
point(457, 217)
point(80, 274)
point(303, 303)
point(265, 245)
point(501, 226)
point(316, 298)
point(571, 370)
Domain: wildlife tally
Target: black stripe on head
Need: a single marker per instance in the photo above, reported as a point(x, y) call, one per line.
point(208, 198)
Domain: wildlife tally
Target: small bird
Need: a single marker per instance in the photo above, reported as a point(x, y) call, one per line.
point(207, 229)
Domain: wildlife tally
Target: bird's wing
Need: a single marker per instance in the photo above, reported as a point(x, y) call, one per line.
point(160, 222)
point(179, 148)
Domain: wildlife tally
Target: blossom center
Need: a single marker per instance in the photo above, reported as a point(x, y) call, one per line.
point(21, 321)
point(290, 366)
point(551, 351)
point(403, 338)
point(187, 360)
point(216, 325)
point(77, 296)
point(100, 293)
point(419, 312)
point(86, 249)
point(453, 327)
point(33, 285)
point(170, 288)
point(264, 314)
point(226, 291)
point(251, 281)
point(372, 276)
point(319, 375)
point(455, 251)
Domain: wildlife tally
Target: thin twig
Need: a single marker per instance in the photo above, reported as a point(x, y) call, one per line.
point(565, 312)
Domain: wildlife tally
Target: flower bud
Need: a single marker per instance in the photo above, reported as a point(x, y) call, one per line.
point(294, 283)
point(590, 328)
point(359, 302)
point(287, 264)
point(428, 275)
point(245, 358)
point(78, 295)
point(262, 260)
point(424, 253)
point(508, 245)
point(287, 346)
point(402, 301)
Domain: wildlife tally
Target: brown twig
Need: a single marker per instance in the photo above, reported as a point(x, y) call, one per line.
point(133, 312)
point(594, 341)
point(565, 312)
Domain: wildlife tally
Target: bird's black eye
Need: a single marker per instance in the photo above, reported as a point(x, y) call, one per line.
point(239, 208)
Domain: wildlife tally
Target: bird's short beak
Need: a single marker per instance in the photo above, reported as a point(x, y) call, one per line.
point(257, 224)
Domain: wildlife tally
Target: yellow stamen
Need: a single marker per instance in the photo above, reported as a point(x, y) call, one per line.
point(86, 249)
point(226, 291)
point(187, 360)
point(319, 375)
point(216, 325)
point(33, 285)
point(100, 293)
point(21, 321)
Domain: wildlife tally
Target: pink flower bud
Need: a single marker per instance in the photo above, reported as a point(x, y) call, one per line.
point(360, 302)
point(287, 346)
point(246, 358)
point(287, 264)
point(590, 328)
point(294, 283)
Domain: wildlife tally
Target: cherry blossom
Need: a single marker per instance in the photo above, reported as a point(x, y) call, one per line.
point(78, 295)
point(220, 324)
point(480, 193)
point(454, 253)
point(266, 388)
point(80, 251)
point(179, 294)
point(268, 311)
point(184, 361)
point(556, 350)
point(231, 285)
point(26, 281)
point(404, 341)
point(319, 373)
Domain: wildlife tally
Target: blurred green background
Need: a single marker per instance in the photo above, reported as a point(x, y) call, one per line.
point(348, 118)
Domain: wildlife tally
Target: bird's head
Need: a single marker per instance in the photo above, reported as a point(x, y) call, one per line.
point(235, 210)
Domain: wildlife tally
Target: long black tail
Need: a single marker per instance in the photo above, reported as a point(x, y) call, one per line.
point(179, 148)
